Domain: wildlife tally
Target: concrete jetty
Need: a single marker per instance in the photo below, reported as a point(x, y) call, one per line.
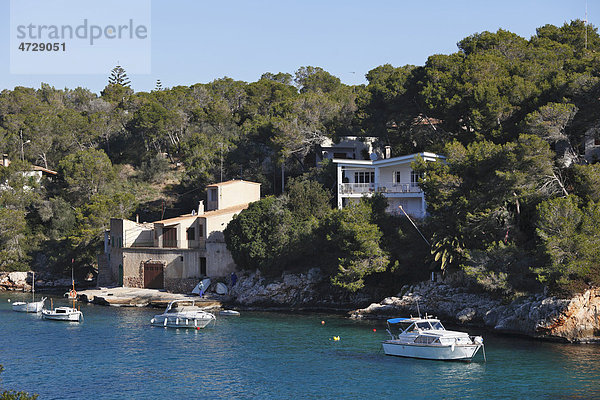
point(137, 297)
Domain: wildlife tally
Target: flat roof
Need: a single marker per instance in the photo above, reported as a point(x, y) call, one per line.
point(384, 161)
point(48, 171)
point(232, 181)
point(228, 210)
point(206, 214)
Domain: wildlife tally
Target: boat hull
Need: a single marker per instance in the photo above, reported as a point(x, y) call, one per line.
point(430, 352)
point(180, 322)
point(34, 307)
point(67, 317)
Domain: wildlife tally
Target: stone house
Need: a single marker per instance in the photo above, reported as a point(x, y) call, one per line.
point(175, 253)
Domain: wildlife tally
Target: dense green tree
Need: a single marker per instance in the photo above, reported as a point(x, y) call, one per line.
point(586, 181)
point(570, 239)
point(260, 235)
point(353, 239)
point(85, 173)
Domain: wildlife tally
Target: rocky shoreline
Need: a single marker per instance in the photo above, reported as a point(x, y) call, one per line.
point(21, 281)
point(575, 320)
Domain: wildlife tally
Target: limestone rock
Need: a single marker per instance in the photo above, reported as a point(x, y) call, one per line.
point(573, 320)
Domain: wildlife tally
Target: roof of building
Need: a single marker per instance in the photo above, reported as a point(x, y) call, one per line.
point(232, 181)
point(207, 214)
point(48, 171)
point(228, 210)
point(393, 160)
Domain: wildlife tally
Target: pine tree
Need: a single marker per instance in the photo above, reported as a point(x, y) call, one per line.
point(118, 76)
point(159, 85)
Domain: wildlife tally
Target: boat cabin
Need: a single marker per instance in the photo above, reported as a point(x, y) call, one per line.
point(406, 325)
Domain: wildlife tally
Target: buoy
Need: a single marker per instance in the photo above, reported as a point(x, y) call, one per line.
point(197, 328)
point(336, 338)
point(322, 322)
point(374, 330)
point(9, 300)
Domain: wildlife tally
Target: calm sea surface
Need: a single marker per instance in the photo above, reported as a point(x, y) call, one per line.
point(116, 354)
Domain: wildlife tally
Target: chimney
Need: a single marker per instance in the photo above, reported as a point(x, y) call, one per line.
point(137, 218)
point(388, 152)
point(201, 207)
point(5, 160)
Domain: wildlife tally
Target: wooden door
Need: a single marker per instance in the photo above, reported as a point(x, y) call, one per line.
point(169, 237)
point(153, 275)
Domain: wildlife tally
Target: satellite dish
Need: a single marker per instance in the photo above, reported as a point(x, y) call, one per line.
point(373, 156)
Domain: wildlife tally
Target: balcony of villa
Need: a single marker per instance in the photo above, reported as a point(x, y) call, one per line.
point(381, 187)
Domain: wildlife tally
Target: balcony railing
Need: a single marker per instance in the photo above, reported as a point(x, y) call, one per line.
point(382, 187)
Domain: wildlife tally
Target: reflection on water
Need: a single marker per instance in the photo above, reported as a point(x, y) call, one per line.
point(116, 354)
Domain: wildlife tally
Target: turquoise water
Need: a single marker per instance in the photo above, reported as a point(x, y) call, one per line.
point(116, 354)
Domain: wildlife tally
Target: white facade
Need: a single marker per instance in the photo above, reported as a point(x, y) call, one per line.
point(392, 177)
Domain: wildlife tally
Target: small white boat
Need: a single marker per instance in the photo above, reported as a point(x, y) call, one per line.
point(201, 287)
point(63, 314)
point(229, 313)
point(31, 307)
point(427, 338)
point(179, 315)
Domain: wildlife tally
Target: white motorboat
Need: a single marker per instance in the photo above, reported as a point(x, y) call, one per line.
point(229, 313)
point(31, 307)
point(63, 314)
point(180, 315)
point(427, 338)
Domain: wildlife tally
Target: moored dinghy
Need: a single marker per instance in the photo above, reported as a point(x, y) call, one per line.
point(178, 315)
point(63, 314)
point(427, 338)
point(31, 307)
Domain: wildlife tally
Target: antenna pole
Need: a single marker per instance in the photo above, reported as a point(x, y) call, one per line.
point(586, 24)
point(411, 221)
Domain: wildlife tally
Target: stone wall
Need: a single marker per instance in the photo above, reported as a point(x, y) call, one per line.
point(181, 285)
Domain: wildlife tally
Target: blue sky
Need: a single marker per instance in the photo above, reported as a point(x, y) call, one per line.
point(195, 41)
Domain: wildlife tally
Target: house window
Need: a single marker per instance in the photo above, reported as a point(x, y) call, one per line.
point(364, 177)
point(414, 177)
point(397, 177)
point(212, 195)
point(200, 230)
point(191, 234)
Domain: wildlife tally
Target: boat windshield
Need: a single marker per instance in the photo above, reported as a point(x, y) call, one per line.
point(437, 325)
point(423, 325)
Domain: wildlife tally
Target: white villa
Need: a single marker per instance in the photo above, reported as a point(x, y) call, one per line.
point(393, 177)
